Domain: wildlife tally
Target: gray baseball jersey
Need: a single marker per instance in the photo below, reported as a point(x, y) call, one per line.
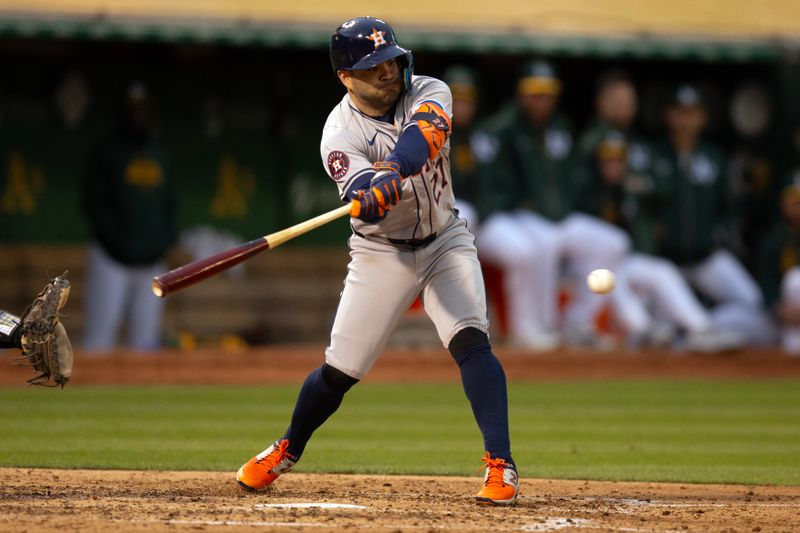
point(383, 279)
point(352, 142)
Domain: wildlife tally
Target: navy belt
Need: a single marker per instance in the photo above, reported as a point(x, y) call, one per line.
point(413, 244)
point(408, 245)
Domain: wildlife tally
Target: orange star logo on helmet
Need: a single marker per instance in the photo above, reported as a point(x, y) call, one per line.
point(377, 37)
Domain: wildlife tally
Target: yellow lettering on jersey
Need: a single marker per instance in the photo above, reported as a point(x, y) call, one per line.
point(144, 172)
point(24, 184)
point(234, 186)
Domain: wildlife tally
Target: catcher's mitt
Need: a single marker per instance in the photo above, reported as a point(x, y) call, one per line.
point(45, 344)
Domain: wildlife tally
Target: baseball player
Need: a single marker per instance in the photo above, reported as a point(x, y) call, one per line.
point(529, 227)
point(130, 201)
point(464, 88)
point(699, 209)
point(752, 167)
point(779, 268)
point(651, 296)
point(385, 145)
point(616, 105)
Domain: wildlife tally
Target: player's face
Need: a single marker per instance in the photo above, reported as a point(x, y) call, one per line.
point(463, 112)
point(790, 207)
point(686, 120)
point(374, 90)
point(539, 107)
point(612, 169)
point(617, 104)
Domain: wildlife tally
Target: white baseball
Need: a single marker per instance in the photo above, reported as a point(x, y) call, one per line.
point(601, 281)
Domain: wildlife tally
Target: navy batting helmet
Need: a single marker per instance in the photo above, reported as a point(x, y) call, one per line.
point(365, 42)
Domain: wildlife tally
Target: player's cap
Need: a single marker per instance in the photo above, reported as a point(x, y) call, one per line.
point(462, 81)
point(539, 77)
point(613, 145)
point(365, 42)
point(686, 95)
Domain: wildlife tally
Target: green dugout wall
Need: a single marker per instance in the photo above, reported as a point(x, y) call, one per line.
point(241, 128)
point(241, 106)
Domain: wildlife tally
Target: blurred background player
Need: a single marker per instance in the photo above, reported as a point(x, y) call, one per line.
point(529, 228)
point(752, 169)
point(779, 269)
point(616, 107)
point(651, 299)
point(698, 213)
point(464, 88)
point(130, 203)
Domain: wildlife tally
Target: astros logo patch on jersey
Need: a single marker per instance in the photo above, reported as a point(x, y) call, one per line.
point(338, 164)
point(377, 37)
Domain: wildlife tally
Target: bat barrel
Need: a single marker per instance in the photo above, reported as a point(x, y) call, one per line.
point(203, 268)
point(191, 273)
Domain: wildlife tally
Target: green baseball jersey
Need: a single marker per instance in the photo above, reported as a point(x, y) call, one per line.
point(640, 152)
point(526, 167)
point(463, 165)
point(753, 175)
point(130, 201)
point(699, 201)
point(632, 205)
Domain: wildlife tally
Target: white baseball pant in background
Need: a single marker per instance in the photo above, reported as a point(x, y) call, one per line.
point(531, 249)
point(589, 243)
point(528, 259)
point(790, 298)
point(115, 292)
point(737, 298)
point(649, 286)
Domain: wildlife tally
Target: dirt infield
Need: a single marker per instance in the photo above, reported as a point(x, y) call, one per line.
point(84, 500)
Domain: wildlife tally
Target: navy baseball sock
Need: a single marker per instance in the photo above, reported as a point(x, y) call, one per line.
point(320, 397)
point(485, 385)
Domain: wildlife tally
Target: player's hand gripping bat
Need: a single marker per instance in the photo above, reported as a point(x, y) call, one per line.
point(201, 269)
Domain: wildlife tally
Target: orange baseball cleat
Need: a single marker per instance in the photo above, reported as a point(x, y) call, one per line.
point(500, 483)
point(264, 468)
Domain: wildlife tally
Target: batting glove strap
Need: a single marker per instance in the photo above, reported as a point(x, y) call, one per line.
point(386, 165)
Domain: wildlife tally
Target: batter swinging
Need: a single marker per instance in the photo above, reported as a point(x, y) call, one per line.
point(386, 144)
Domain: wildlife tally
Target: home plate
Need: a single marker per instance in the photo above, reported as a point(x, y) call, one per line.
point(309, 505)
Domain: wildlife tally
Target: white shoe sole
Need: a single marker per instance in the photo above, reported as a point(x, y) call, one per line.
point(489, 501)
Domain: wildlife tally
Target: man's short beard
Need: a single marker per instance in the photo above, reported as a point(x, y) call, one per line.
point(382, 100)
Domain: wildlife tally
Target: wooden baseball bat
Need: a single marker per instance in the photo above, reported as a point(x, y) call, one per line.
point(201, 269)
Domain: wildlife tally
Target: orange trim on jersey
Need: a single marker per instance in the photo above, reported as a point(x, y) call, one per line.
point(435, 125)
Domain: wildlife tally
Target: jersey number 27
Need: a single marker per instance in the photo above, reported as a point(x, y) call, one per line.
point(438, 172)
